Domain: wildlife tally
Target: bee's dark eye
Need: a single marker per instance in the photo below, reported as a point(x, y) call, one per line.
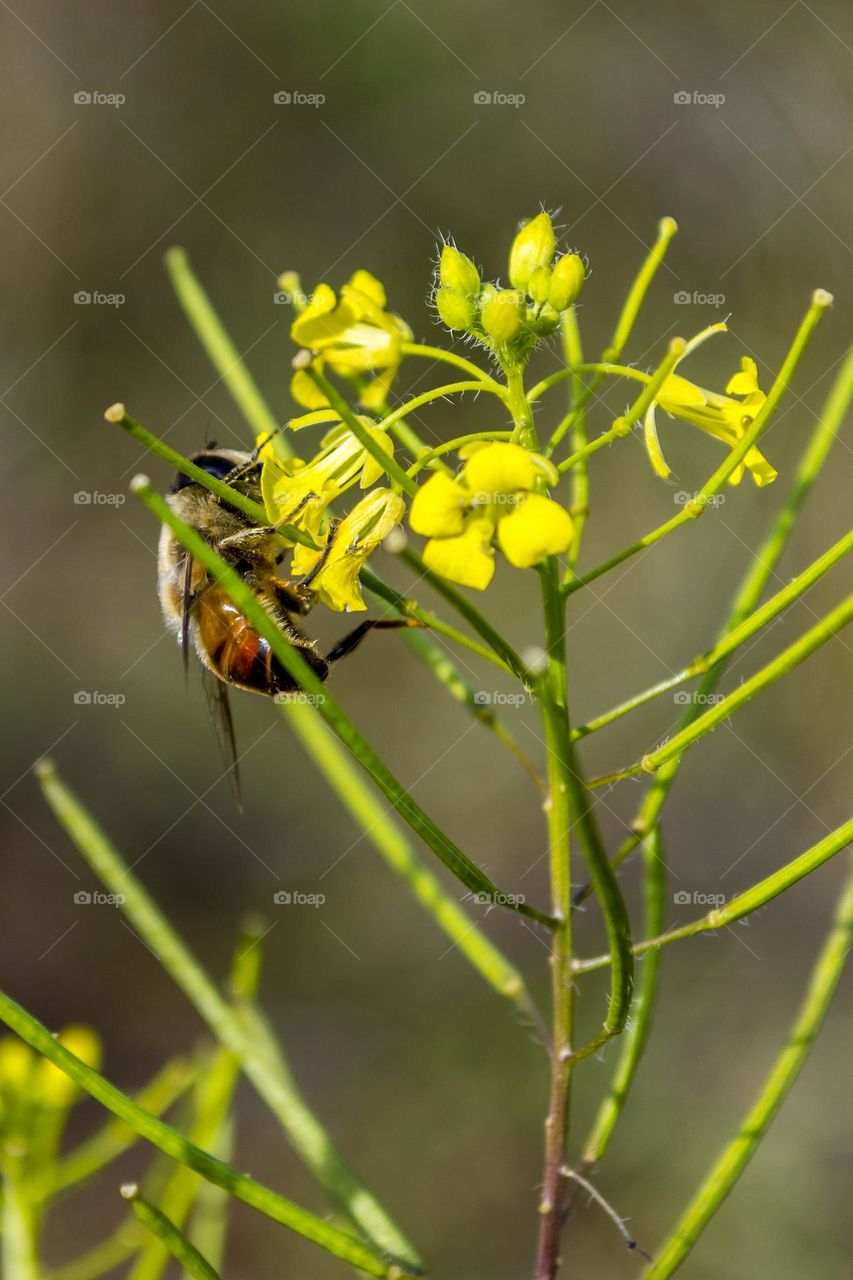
point(213, 463)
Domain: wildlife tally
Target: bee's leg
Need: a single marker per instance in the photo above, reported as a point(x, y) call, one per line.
point(299, 589)
point(320, 562)
point(354, 638)
point(292, 597)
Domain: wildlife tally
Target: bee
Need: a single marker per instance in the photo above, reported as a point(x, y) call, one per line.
point(201, 614)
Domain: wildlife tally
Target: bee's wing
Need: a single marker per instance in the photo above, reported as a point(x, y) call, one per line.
point(220, 711)
point(186, 605)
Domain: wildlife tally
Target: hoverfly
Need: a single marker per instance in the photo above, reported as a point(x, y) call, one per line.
point(200, 613)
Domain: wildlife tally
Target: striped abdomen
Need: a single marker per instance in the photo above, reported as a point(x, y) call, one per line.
point(230, 646)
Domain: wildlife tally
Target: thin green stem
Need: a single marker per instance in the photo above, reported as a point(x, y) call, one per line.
point(174, 1243)
point(732, 640)
point(603, 369)
point(435, 393)
point(19, 1236)
point(821, 300)
point(288, 655)
point(667, 228)
point(420, 350)
point(388, 463)
point(521, 408)
point(174, 1145)
point(279, 1091)
point(118, 1247)
point(373, 819)
point(471, 615)
point(745, 903)
point(579, 481)
point(223, 354)
point(449, 446)
point(732, 1161)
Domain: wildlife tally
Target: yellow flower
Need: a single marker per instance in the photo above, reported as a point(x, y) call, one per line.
point(492, 498)
point(347, 546)
point(52, 1086)
point(722, 416)
point(354, 335)
point(299, 492)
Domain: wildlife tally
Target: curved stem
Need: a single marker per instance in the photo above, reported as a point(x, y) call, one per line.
point(731, 1163)
point(449, 446)
point(425, 352)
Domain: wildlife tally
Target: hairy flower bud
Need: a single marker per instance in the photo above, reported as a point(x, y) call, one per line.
point(457, 271)
point(503, 317)
point(534, 246)
point(456, 311)
point(539, 284)
point(566, 281)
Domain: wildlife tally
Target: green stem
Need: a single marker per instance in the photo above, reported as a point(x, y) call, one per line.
point(449, 446)
point(732, 639)
point(224, 356)
point(19, 1236)
point(745, 903)
point(702, 500)
point(521, 408)
point(402, 411)
point(178, 1148)
point(288, 655)
point(279, 1091)
point(173, 1241)
point(420, 350)
point(731, 1163)
point(372, 818)
point(579, 481)
point(117, 414)
point(471, 614)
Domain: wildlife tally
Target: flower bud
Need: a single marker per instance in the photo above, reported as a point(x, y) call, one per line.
point(534, 246)
point(566, 281)
point(547, 320)
point(456, 311)
point(539, 284)
point(503, 317)
point(457, 271)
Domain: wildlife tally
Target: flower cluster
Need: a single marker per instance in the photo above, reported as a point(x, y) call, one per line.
point(511, 321)
point(494, 499)
point(35, 1095)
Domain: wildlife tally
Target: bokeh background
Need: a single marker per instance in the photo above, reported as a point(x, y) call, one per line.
point(432, 1090)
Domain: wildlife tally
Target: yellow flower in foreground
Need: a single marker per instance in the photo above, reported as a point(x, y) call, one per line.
point(347, 546)
point(493, 497)
point(722, 416)
point(299, 492)
point(354, 335)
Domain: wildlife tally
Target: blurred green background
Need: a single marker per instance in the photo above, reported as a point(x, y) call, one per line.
point(433, 1092)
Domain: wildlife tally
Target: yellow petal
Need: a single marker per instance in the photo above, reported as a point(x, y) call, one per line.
point(653, 448)
point(677, 390)
point(438, 508)
point(313, 419)
point(359, 533)
point(759, 468)
point(500, 468)
point(538, 527)
point(467, 559)
point(306, 392)
point(16, 1061)
point(371, 471)
point(365, 283)
point(745, 382)
point(53, 1086)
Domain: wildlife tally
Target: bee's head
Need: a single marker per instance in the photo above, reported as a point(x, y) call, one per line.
point(216, 462)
